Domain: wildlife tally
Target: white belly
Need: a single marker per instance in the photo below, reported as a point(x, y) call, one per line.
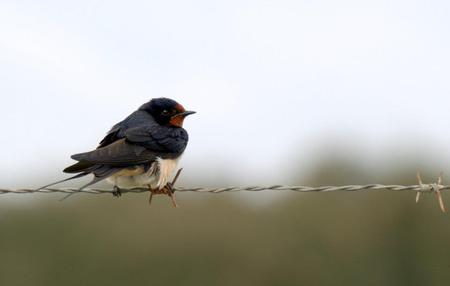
point(156, 177)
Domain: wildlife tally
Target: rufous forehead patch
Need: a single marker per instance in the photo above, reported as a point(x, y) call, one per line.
point(180, 108)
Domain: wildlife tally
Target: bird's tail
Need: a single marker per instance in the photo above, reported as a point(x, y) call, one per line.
point(65, 180)
point(101, 173)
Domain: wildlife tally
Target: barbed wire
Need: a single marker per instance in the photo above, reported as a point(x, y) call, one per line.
point(421, 188)
point(425, 188)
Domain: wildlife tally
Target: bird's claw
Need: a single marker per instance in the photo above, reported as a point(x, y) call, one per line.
point(117, 192)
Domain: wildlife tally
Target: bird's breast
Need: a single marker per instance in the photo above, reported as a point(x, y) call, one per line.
point(157, 176)
point(165, 169)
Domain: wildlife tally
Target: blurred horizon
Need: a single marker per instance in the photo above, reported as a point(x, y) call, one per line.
point(350, 238)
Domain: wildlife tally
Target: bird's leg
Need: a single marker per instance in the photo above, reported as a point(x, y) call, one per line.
point(116, 192)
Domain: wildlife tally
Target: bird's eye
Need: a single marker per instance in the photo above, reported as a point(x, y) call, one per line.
point(165, 112)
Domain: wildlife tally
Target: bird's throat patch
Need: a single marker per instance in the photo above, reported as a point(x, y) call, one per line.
point(177, 121)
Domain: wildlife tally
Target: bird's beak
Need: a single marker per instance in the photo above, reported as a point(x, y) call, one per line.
point(184, 114)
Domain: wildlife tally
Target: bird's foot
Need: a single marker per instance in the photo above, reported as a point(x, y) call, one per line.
point(166, 190)
point(117, 192)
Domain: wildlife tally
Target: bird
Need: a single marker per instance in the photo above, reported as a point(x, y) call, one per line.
point(142, 150)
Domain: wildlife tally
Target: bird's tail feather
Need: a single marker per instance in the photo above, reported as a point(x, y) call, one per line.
point(65, 180)
point(79, 167)
point(99, 175)
point(94, 180)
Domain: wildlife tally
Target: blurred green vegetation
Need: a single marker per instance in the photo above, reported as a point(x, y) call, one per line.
point(364, 238)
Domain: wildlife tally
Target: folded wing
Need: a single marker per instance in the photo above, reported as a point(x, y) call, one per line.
point(121, 153)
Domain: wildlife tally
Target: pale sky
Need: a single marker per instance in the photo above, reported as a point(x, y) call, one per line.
point(270, 80)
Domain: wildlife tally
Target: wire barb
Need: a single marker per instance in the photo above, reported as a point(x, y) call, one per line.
point(434, 187)
point(169, 190)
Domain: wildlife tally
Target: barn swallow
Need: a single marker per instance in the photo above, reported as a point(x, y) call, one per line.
point(141, 151)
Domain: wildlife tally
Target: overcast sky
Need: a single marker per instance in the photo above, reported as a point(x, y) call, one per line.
point(269, 79)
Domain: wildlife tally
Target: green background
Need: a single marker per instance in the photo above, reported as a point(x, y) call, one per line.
point(353, 238)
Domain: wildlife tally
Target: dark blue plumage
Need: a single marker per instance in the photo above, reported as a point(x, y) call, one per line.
point(151, 133)
point(148, 128)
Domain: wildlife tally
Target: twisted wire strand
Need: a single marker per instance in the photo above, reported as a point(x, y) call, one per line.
point(424, 188)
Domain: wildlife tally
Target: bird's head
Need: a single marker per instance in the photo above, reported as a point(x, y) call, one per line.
point(166, 111)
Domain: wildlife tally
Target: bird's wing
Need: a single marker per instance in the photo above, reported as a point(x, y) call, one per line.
point(118, 154)
point(137, 118)
point(113, 135)
point(140, 128)
point(158, 138)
